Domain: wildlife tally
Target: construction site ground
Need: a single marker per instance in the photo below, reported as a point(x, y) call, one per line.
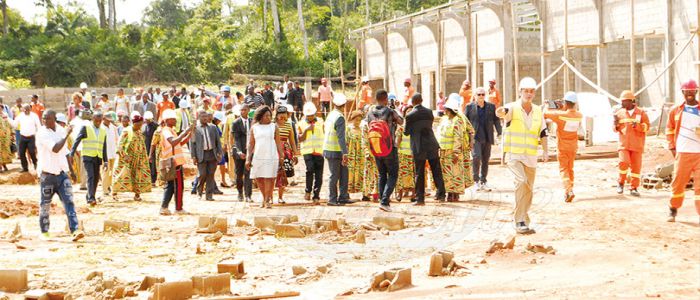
point(605, 245)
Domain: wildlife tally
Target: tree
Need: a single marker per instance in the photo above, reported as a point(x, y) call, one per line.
point(112, 15)
point(103, 17)
point(166, 14)
point(5, 21)
point(275, 19)
point(303, 29)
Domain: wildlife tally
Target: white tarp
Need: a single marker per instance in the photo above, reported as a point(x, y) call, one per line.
point(598, 107)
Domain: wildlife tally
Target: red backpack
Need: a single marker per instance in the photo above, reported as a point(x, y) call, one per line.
point(380, 143)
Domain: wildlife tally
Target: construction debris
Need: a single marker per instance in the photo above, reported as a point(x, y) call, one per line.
point(360, 237)
point(116, 226)
point(241, 223)
point(391, 280)
point(389, 223)
point(212, 225)
point(234, 268)
point(93, 274)
point(541, 249)
point(290, 230)
point(150, 281)
point(211, 285)
point(214, 238)
point(13, 281)
point(322, 225)
point(298, 270)
point(177, 290)
point(508, 243)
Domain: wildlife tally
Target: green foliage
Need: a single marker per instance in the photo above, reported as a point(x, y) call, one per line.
point(183, 44)
point(19, 83)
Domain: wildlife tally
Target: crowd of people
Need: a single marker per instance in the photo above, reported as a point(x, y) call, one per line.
point(377, 145)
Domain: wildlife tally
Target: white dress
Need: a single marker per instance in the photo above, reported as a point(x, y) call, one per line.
point(265, 160)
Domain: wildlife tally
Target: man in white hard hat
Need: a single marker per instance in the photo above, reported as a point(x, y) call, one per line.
point(335, 151)
point(525, 129)
point(568, 120)
point(310, 130)
point(84, 92)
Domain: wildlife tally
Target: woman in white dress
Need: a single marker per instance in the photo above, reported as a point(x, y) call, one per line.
point(264, 161)
point(121, 102)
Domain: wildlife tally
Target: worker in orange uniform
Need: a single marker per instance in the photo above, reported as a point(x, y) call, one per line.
point(494, 94)
point(632, 123)
point(568, 121)
point(408, 92)
point(683, 134)
point(466, 92)
point(365, 94)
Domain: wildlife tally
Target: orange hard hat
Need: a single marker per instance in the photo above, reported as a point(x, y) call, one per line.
point(627, 95)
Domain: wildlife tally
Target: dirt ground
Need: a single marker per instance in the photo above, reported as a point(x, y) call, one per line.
point(607, 245)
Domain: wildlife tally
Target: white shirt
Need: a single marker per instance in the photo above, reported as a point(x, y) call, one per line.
point(527, 160)
point(112, 139)
point(50, 162)
point(28, 124)
point(78, 125)
point(121, 103)
point(688, 141)
point(157, 98)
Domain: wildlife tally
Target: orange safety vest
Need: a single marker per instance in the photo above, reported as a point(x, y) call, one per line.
point(632, 137)
point(566, 140)
point(166, 149)
point(673, 125)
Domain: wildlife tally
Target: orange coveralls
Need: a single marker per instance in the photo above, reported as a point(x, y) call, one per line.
point(495, 97)
point(632, 128)
point(567, 143)
point(466, 97)
point(686, 165)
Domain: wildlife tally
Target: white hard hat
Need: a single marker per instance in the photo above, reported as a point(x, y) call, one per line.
point(184, 103)
point(148, 115)
point(83, 85)
point(290, 108)
point(60, 117)
point(453, 102)
point(168, 114)
point(527, 83)
point(339, 99)
point(570, 97)
point(309, 109)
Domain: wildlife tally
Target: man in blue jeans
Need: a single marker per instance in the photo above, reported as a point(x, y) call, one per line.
point(388, 166)
point(53, 165)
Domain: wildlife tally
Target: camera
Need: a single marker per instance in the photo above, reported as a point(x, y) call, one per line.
point(555, 104)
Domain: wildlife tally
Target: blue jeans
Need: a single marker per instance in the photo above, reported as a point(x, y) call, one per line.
point(339, 177)
point(56, 184)
point(388, 168)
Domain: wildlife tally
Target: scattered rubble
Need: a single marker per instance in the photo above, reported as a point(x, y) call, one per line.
point(508, 243)
point(298, 270)
point(234, 268)
point(360, 237)
point(150, 281)
point(211, 285)
point(175, 290)
point(541, 249)
point(389, 223)
point(13, 281)
point(116, 226)
point(214, 238)
point(391, 280)
point(212, 225)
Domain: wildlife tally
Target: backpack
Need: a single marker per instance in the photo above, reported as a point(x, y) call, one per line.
point(380, 142)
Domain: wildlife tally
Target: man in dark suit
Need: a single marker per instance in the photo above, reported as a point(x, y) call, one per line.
point(482, 115)
point(143, 106)
point(206, 150)
point(424, 145)
point(241, 128)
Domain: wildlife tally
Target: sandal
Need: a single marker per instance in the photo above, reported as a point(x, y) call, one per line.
point(269, 203)
point(281, 201)
point(137, 198)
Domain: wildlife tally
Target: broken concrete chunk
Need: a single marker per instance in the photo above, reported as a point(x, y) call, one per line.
point(507, 243)
point(116, 226)
point(36, 295)
point(177, 290)
point(241, 223)
point(390, 223)
point(323, 225)
point(212, 225)
point(289, 231)
point(119, 292)
point(59, 295)
point(398, 278)
point(263, 222)
point(214, 238)
point(13, 281)
point(285, 219)
point(212, 285)
point(442, 263)
point(541, 249)
point(360, 237)
point(93, 274)
point(435, 265)
point(150, 281)
point(298, 270)
point(234, 268)
point(369, 226)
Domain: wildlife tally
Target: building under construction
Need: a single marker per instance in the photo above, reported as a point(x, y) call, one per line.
point(505, 40)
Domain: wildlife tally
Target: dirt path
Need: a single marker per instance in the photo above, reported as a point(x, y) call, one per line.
point(606, 245)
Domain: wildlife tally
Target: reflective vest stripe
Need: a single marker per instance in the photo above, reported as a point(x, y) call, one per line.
point(330, 143)
point(405, 146)
point(314, 140)
point(447, 135)
point(518, 138)
point(94, 144)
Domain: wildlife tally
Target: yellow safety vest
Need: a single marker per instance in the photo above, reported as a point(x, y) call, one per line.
point(178, 119)
point(518, 138)
point(93, 144)
point(314, 140)
point(446, 133)
point(405, 145)
point(330, 143)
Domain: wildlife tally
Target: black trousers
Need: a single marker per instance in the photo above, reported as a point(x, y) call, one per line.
point(92, 168)
point(388, 168)
point(481, 155)
point(314, 174)
point(206, 170)
point(419, 166)
point(27, 144)
point(243, 181)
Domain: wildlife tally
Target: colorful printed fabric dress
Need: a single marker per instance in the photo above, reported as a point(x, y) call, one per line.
point(370, 172)
point(406, 169)
point(5, 141)
point(155, 147)
point(353, 136)
point(451, 139)
point(469, 133)
point(131, 171)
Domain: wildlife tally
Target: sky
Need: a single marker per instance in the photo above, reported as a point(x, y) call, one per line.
point(129, 11)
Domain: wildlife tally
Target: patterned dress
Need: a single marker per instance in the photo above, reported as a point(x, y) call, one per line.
point(370, 172)
point(353, 136)
point(406, 169)
point(131, 171)
point(452, 173)
point(285, 132)
point(467, 159)
point(5, 141)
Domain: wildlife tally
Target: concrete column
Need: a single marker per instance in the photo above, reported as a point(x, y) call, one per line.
point(409, 44)
point(440, 72)
point(544, 59)
point(468, 38)
point(510, 84)
point(386, 57)
point(668, 52)
point(602, 66)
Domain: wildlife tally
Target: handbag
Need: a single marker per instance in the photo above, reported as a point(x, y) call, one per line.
point(288, 163)
point(167, 168)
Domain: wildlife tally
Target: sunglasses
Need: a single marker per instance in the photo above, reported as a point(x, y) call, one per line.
point(481, 94)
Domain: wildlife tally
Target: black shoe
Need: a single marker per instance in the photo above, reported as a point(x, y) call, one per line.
point(316, 200)
point(365, 198)
point(620, 189)
point(209, 198)
point(419, 203)
point(634, 192)
point(217, 192)
point(194, 192)
point(672, 213)
point(348, 201)
point(240, 198)
point(335, 203)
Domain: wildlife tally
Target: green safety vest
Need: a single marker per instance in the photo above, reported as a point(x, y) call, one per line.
point(93, 144)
